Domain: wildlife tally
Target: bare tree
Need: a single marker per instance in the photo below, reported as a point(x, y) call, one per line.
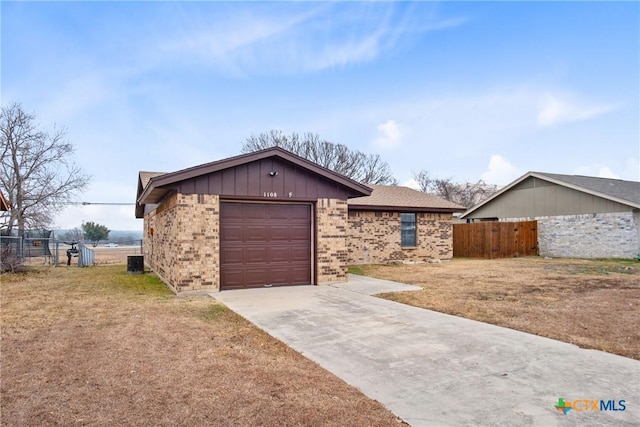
point(37, 174)
point(361, 167)
point(465, 194)
point(424, 180)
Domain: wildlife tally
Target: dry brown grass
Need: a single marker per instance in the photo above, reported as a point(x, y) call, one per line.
point(97, 346)
point(593, 304)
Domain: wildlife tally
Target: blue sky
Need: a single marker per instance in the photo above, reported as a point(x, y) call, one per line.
point(466, 90)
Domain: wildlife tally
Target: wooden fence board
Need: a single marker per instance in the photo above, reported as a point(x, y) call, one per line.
point(495, 239)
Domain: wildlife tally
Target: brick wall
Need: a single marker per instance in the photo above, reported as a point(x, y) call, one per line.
point(605, 235)
point(374, 238)
point(331, 226)
point(184, 247)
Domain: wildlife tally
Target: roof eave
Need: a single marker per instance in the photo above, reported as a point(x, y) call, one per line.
point(545, 177)
point(392, 208)
point(231, 162)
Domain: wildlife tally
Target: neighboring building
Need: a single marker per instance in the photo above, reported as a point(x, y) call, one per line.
point(4, 205)
point(399, 224)
point(271, 218)
point(578, 216)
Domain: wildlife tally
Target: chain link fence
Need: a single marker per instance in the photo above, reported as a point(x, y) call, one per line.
point(41, 247)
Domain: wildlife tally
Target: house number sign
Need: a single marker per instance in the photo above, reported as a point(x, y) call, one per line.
point(272, 195)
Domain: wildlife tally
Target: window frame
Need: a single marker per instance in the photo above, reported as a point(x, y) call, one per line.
point(407, 239)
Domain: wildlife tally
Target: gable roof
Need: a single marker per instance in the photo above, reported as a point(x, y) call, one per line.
point(143, 180)
point(394, 197)
point(615, 190)
point(145, 177)
point(152, 185)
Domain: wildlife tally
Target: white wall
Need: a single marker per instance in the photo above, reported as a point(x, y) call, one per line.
point(603, 235)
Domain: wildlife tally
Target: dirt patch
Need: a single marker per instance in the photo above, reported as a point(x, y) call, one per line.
point(593, 304)
point(97, 346)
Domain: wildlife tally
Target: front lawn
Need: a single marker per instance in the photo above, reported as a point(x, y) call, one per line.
point(593, 304)
point(97, 346)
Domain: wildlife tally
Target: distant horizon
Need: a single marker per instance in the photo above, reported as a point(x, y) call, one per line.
point(110, 231)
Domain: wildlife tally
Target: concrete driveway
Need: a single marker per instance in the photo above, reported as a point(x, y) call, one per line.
point(432, 369)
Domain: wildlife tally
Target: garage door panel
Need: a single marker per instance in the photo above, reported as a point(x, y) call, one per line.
point(299, 233)
point(232, 255)
point(265, 244)
point(279, 275)
point(300, 275)
point(300, 213)
point(279, 254)
point(300, 254)
point(256, 233)
point(256, 255)
point(232, 233)
point(253, 212)
point(231, 279)
point(279, 233)
point(253, 277)
point(280, 211)
point(256, 276)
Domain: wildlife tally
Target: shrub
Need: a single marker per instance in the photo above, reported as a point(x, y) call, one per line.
point(10, 262)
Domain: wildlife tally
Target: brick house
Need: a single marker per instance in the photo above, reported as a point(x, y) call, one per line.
point(577, 216)
point(399, 224)
point(271, 218)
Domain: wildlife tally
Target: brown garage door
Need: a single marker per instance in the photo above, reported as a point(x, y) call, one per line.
point(264, 244)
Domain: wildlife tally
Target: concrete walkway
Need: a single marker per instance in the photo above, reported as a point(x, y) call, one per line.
point(432, 369)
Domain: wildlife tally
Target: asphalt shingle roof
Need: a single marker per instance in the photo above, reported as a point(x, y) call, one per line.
point(145, 177)
point(625, 190)
point(403, 197)
point(617, 190)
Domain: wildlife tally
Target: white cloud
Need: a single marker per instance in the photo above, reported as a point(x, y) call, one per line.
point(632, 169)
point(231, 43)
point(411, 183)
point(500, 171)
point(389, 135)
point(301, 39)
point(554, 110)
point(606, 172)
point(600, 171)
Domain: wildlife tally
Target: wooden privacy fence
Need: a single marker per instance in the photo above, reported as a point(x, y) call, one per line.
point(495, 239)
